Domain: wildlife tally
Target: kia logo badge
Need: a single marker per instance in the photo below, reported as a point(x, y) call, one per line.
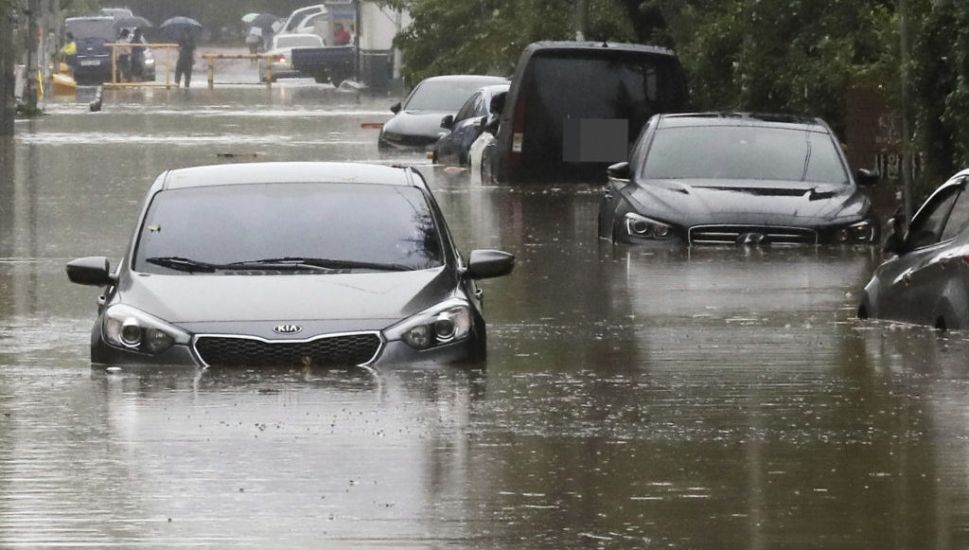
point(287, 329)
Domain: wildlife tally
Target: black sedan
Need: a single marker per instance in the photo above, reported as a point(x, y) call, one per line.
point(733, 178)
point(478, 114)
point(290, 264)
point(926, 279)
point(417, 121)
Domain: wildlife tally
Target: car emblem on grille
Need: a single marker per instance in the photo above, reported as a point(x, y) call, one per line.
point(752, 238)
point(287, 329)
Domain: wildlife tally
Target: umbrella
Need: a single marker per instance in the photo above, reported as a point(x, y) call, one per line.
point(264, 21)
point(247, 18)
point(179, 24)
point(132, 21)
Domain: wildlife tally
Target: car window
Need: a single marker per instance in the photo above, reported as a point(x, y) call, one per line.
point(958, 218)
point(467, 110)
point(744, 153)
point(222, 224)
point(90, 28)
point(927, 226)
point(444, 95)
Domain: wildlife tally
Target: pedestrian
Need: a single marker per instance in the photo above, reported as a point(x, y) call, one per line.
point(341, 37)
point(137, 56)
point(68, 52)
point(123, 54)
point(186, 59)
point(253, 39)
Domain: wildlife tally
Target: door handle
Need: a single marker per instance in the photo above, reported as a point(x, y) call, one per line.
point(907, 279)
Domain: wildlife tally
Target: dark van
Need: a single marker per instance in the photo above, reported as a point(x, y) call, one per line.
point(575, 107)
point(93, 63)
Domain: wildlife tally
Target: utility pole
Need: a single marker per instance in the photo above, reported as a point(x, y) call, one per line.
point(907, 149)
point(30, 78)
point(581, 19)
point(8, 105)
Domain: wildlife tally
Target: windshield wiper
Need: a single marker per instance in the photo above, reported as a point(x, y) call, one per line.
point(179, 263)
point(327, 264)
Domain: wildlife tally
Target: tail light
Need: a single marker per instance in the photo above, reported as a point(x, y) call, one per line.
point(280, 57)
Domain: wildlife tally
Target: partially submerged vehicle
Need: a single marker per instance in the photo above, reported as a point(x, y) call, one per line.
point(574, 108)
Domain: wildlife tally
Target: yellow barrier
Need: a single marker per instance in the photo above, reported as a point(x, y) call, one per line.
point(211, 57)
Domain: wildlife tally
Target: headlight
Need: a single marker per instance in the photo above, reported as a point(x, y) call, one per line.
point(444, 323)
point(645, 228)
point(128, 328)
point(861, 232)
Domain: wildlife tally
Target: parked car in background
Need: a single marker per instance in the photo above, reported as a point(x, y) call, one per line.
point(282, 54)
point(926, 279)
point(477, 115)
point(735, 178)
point(417, 120)
point(93, 63)
point(281, 264)
point(574, 108)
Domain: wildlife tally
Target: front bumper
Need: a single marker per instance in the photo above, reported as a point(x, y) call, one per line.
point(390, 353)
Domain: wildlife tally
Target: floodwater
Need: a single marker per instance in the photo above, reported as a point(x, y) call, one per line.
point(715, 398)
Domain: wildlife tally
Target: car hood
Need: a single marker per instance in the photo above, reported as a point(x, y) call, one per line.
point(417, 123)
point(701, 201)
point(214, 298)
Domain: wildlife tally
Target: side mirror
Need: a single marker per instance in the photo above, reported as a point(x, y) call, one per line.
point(866, 177)
point(497, 103)
point(485, 264)
point(447, 122)
point(93, 271)
point(894, 241)
point(395, 108)
point(619, 171)
point(481, 122)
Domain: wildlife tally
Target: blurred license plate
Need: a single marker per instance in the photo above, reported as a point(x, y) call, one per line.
point(90, 62)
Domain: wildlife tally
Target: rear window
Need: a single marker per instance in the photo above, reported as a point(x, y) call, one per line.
point(223, 224)
point(444, 95)
point(744, 153)
point(90, 28)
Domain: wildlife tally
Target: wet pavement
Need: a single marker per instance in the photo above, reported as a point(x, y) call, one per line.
point(713, 398)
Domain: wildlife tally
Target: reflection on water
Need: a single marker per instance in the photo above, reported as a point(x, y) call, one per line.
point(632, 398)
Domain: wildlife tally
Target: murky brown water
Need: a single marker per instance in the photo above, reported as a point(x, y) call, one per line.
point(704, 399)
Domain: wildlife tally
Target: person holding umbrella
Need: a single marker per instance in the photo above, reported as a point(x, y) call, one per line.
point(186, 58)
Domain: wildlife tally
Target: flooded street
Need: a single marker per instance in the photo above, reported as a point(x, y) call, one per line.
point(713, 398)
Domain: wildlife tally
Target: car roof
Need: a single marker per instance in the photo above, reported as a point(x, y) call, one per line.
point(90, 18)
point(729, 118)
point(287, 172)
point(465, 78)
point(565, 45)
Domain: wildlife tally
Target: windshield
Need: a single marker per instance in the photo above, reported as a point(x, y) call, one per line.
point(90, 28)
point(299, 41)
point(446, 95)
point(744, 153)
point(359, 223)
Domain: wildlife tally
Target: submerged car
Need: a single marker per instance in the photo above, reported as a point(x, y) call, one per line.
point(290, 264)
point(926, 281)
point(574, 108)
point(417, 120)
point(478, 114)
point(734, 178)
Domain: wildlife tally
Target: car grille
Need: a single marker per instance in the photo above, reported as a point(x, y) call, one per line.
point(732, 234)
point(342, 350)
